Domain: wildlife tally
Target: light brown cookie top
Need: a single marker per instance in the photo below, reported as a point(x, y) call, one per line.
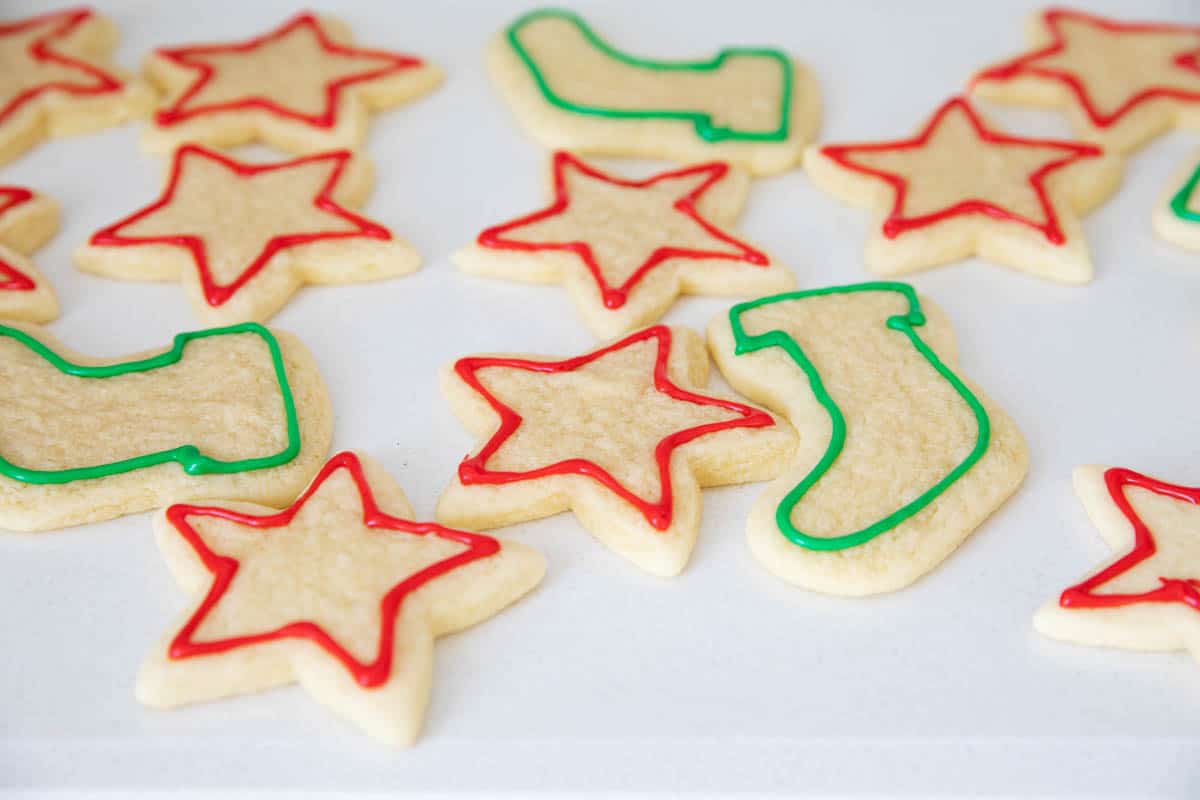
point(27, 221)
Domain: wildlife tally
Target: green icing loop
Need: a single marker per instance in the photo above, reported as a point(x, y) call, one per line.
point(905, 324)
point(187, 456)
point(1179, 202)
point(703, 123)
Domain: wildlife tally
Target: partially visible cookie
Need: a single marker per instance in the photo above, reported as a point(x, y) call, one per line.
point(900, 459)
point(626, 248)
point(341, 592)
point(753, 106)
point(27, 221)
point(1176, 218)
point(961, 187)
point(623, 436)
point(237, 412)
point(1121, 83)
point(56, 79)
point(301, 87)
point(244, 237)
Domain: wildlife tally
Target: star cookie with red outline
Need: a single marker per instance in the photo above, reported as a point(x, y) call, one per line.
point(1122, 83)
point(57, 79)
point(960, 188)
point(340, 592)
point(623, 436)
point(244, 237)
point(627, 248)
point(1148, 596)
point(27, 221)
point(301, 87)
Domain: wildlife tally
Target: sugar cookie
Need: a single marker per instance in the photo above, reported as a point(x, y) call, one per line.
point(1148, 596)
point(243, 237)
point(27, 221)
point(301, 87)
point(340, 592)
point(56, 79)
point(1122, 83)
point(228, 412)
point(961, 188)
point(755, 107)
point(900, 459)
point(627, 248)
point(1176, 218)
point(621, 436)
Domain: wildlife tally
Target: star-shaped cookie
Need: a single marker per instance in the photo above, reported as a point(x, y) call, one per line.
point(340, 592)
point(1122, 83)
point(27, 221)
point(1148, 596)
point(1176, 217)
point(243, 237)
point(627, 248)
point(56, 79)
point(622, 436)
point(301, 87)
point(959, 187)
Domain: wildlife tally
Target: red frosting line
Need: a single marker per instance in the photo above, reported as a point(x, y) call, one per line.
point(474, 469)
point(1171, 590)
point(1024, 65)
point(616, 296)
point(224, 570)
point(897, 223)
point(11, 278)
point(216, 294)
point(192, 58)
point(41, 50)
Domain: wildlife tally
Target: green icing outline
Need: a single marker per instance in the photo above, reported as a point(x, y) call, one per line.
point(1179, 201)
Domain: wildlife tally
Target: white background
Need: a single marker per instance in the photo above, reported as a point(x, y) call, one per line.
point(606, 679)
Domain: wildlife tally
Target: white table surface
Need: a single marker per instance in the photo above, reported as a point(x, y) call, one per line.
point(605, 679)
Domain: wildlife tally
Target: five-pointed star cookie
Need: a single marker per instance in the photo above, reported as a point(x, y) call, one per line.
point(1176, 218)
point(27, 220)
point(340, 592)
point(1148, 596)
point(961, 188)
point(1123, 83)
point(301, 87)
point(621, 436)
point(244, 237)
point(56, 79)
point(627, 248)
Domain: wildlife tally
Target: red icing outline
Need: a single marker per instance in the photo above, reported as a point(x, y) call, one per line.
point(41, 50)
point(1172, 590)
point(11, 278)
point(1023, 64)
point(176, 112)
point(895, 223)
point(217, 294)
point(615, 297)
point(224, 569)
point(473, 469)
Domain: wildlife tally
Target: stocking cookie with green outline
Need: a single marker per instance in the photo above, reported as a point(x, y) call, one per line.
point(900, 458)
point(237, 412)
point(27, 221)
point(1176, 218)
point(756, 107)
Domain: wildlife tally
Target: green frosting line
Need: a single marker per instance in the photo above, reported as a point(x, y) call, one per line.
point(187, 456)
point(702, 122)
point(1179, 202)
point(903, 323)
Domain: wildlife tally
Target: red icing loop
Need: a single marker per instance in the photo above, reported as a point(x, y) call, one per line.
point(473, 470)
point(1027, 64)
point(61, 24)
point(616, 296)
point(193, 58)
point(897, 223)
point(1170, 590)
point(217, 294)
point(11, 278)
point(224, 570)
